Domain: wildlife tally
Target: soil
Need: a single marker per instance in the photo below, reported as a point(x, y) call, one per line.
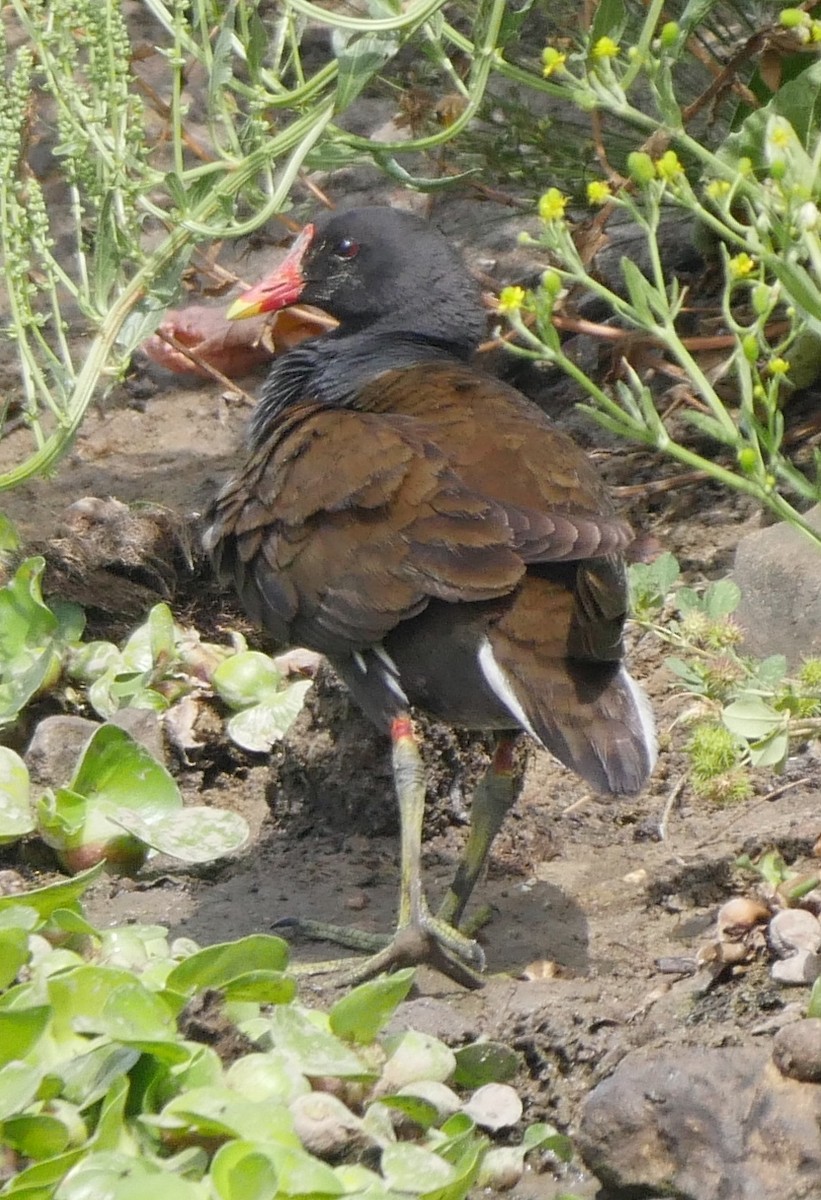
point(585, 892)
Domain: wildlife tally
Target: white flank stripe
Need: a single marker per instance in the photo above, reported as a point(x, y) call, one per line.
point(498, 683)
point(390, 674)
point(645, 714)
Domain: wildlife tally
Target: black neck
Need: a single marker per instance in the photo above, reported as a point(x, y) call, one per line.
point(332, 370)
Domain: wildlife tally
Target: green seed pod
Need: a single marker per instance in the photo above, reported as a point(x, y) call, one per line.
point(669, 34)
point(791, 18)
point(552, 283)
point(762, 298)
point(749, 344)
point(641, 167)
point(747, 459)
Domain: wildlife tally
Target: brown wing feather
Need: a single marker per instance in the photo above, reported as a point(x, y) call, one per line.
point(336, 552)
point(346, 522)
point(557, 505)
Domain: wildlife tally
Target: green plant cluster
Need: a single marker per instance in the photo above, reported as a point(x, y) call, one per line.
point(145, 173)
point(757, 196)
point(122, 803)
point(748, 712)
point(160, 663)
point(107, 1087)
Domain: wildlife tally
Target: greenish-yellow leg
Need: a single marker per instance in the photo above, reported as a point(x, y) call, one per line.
point(496, 793)
point(421, 936)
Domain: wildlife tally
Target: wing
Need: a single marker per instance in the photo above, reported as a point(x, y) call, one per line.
point(505, 447)
point(344, 523)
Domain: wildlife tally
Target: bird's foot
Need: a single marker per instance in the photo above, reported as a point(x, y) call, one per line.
point(428, 942)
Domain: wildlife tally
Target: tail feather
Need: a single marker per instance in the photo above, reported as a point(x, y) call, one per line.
point(593, 717)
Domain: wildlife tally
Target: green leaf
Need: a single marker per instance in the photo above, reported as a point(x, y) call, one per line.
point(359, 60)
point(258, 727)
point(16, 816)
point(770, 671)
point(710, 426)
point(300, 1174)
point(721, 599)
point(14, 954)
point(88, 1077)
point(798, 101)
point(610, 20)
point(218, 965)
point(243, 1170)
point(162, 633)
point(814, 1004)
point(21, 1030)
point(686, 672)
point(314, 1049)
point(245, 679)
point(19, 1084)
point(422, 1112)
point(114, 1175)
point(771, 751)
point(216, 1111)
point(640, 291)
point(270, 1076)
point(9, 537)
point(55, 895)
point(752, 718)
point(29, 640)
point(36, 1136)
point(262, 987)
point(195, 834)
point(119, 771)
point(485, 1062)
point(547, 1137)
point(410, 1168)
point(360, 1014)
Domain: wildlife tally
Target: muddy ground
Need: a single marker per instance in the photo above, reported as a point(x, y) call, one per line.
point(587, 885)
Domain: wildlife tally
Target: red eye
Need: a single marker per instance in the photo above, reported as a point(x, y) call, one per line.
point(346, 248)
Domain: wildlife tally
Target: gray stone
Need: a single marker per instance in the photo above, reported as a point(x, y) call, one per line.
point(704, 1124)
point(55, 747)
point(779, 572)
point(797, 1050)
point(144, 726)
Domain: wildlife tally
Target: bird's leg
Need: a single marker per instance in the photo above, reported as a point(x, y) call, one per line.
point(420, 937)
point(495, 794)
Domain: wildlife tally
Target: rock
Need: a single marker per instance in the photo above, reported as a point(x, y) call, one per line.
point(145, 727)
point(800, 969)
point(797, 1050)
point(703, 1124)
point(794, 929)
point(779, 573)
point(55, 747)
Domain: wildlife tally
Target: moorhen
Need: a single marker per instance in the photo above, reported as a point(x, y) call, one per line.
point(428, 528)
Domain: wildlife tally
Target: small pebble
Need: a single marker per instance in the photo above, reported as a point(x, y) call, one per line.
point(797, 1050)
point(794, 929)
point(799, 969)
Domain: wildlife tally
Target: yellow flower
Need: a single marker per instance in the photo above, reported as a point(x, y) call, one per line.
point(668, 166)
point(598, 191)
point(605, 47)
point(717, 188)
point(552, 205)
point(741, 266)
point(780, 136)
point(553, 61)
point(511, 299)
point(778, 366)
